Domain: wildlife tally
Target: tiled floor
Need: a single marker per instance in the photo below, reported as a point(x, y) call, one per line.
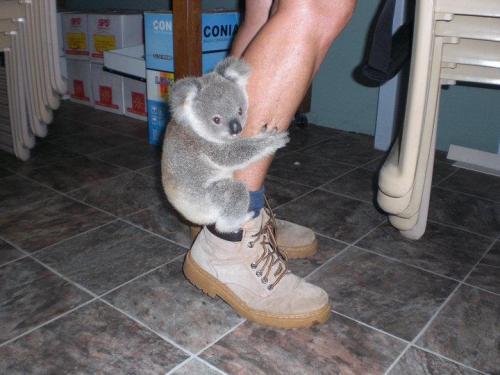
point(91, 255)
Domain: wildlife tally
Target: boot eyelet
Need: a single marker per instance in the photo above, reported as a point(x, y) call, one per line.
point(270, 287)
point(258, 273)
point(253, 266)
point(264, 280)
point(250, 245)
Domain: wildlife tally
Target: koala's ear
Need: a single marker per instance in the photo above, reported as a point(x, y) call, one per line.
point(234, 69)
point(182, 90)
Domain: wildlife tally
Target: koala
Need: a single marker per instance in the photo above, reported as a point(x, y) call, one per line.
point(203, 147)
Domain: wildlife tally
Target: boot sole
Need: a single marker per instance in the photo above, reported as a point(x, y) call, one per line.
point(299, 252)
point(214, 288)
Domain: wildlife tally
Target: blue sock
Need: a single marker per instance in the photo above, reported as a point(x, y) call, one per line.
point(256, 201)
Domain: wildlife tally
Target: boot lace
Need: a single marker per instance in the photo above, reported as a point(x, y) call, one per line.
point(271, 257)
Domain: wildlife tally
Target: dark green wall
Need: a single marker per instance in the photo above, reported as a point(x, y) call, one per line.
point(469, 116)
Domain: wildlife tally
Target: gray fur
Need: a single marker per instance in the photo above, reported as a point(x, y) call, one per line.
point(200, 156)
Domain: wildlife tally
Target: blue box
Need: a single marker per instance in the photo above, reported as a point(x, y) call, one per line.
point(218, 30)
point(158, 88)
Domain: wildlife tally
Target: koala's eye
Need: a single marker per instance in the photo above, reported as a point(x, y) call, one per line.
point(240, 111)
point(216, 119)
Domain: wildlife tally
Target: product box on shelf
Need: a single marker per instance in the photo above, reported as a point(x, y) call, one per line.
point(158, 87)
point(113, 30)
point(107, 89)
point(75, 40)
point(218, 30)
point(79, 81)
point(134, 99)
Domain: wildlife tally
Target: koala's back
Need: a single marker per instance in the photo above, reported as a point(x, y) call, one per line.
point(185, 173)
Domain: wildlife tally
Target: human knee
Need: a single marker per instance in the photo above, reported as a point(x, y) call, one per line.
point(323, 18)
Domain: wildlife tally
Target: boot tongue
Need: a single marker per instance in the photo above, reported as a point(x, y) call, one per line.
point(253, 226)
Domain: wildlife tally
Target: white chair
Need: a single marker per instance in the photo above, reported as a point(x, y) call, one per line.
point(454, 40)
point(28, 36)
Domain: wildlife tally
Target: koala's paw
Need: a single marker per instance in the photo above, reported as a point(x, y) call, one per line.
point(279, 140)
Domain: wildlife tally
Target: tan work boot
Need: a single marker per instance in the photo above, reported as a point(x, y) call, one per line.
point(253, 279)
point(295, 240)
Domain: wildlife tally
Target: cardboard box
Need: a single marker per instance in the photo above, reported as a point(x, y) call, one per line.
point(74, 28)
point(107, 89)
point(79, 81)
point(129, 61)
point(218, 30)
point(134, 99)
point(110, 31)
point(158, 87)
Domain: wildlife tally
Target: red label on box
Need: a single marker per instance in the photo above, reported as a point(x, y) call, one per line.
point(79, 90)
point(106, 97)
point(138, 104)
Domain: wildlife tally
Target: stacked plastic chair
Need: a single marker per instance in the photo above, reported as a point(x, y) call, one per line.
point(32, 75)
point(454, 40)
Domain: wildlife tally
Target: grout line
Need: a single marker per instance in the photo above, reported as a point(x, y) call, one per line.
point(447, 177)
point(221, 337)
point(448, 359)
point(349, 246)
point(123, 219)
point(13, 260)
point(370, 326)
point(141, 275)
point(460, 228)
point(211, 366)
point(179, 365)
point(72, 237)
point(467, 194)
point(480, 288)
point(57, 317)
point(436, 313)
point(407, 264)
point(160, 335)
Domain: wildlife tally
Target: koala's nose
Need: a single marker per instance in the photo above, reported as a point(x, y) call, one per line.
point(234, 127)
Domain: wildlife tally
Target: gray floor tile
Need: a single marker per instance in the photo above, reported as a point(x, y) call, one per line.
point(119, 124)
point(444, 250)
point(486, 275)
point(109, 256)
point(95, 339)
point(42, 155)
point(385, 294)
point(359, 184)
point(327, 249)
point(170, 305)
point(308, 136)
point(92, 140)
point(310, 170)
point(8, 253)
point(281, 191)
point(468, 330)
point(332, 215)
point(153, 171)
point(74, 173)
point(122, 195)
point(4, 173)
point(31, 295)
point(350, 148)
point(162, 219)
point(340, 346)
point(16, 192)
point(470, 213)
point(442, 171)
point(419, 362)
point(194, 367)
point(471, 182)
point(72, 110)
point(133, 156)
point(44, 223)
point(64, 126)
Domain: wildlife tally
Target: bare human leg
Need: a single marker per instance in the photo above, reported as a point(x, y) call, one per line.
point(284, 55)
